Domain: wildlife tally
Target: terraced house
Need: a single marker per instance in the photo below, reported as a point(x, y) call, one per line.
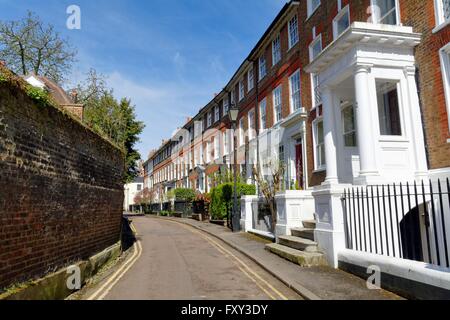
point(354, 97)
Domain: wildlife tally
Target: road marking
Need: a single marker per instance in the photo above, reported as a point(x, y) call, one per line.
point(101, 293)
point(242, 265)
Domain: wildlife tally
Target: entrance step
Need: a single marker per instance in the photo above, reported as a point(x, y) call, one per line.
point(302, 258)
point(298, 243)
point(309, 224)
point(303, 233)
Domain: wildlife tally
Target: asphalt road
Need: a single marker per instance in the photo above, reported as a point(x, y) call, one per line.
point(174, 261)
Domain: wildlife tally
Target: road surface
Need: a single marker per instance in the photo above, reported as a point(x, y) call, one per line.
point(174, 261)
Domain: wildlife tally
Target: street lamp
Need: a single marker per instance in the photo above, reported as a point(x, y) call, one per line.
point(233, 113)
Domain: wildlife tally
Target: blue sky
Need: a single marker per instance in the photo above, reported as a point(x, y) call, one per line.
point(168, 56)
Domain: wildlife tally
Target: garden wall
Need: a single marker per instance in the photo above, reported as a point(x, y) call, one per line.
point(61, 190)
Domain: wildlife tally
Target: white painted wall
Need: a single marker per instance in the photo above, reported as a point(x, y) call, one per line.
point(130, 191)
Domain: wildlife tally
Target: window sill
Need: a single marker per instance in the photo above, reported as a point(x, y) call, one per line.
point(441, 26)
point(320, 170)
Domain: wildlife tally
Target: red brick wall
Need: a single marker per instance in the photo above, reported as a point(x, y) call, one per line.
point(61, 191)
point(421, 16)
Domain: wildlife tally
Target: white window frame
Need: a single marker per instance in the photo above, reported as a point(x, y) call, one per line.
point(209, 119)
point(263, 115)
point(445, 67)
point(275, 112)
point(241, 90)
point(292, 93)
point(292, 42)
point(376, 19)
point(233, 96)
point(317, 166)
point(226, 105)
point(312, 45)
point(226, 144)
point(216, 147)
point(262, 62)
point(251, 79)
point(343, 12)
point(216, 113)
point(241, 132)
point(310, 9)
point(355, 131)
point(251, 124)
point(441, 22)
point(276, 51)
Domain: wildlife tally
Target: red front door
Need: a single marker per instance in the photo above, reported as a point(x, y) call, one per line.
point(299, 164)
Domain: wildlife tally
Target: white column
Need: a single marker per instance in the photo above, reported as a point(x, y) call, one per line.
point(416, 124)
point(366, 138)
point(330, 135)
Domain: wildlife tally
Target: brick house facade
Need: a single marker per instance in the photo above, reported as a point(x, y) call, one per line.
point(312, 24)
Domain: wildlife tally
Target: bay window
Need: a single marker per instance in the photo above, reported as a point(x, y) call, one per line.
point(226, 106)
point(216, 113)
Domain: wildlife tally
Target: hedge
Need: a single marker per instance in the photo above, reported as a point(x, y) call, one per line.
point(222, 198)
point(187, 195)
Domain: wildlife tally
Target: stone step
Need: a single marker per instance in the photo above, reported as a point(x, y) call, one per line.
point(303, 233)
point(309, 224)
point(302, 258)
point(298, 243)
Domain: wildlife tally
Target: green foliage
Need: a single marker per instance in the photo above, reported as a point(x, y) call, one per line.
point(117, 121)
point(187, 195)
point(40, 96)
point(164, 214)
point(222, 198)
point(3, 78)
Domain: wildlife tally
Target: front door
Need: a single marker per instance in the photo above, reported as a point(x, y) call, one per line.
point(299, 164)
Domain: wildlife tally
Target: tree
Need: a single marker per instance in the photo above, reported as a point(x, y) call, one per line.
point(29, 45)
point(114, 119)
point(270, 185)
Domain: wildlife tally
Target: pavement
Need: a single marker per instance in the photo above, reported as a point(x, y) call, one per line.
point(316, 283)
point(174, 261)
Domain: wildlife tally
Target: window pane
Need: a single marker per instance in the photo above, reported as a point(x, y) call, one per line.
point(386, 11)
point(446, 8)
point(320, 136)
point(343, 23)
point(388, 109)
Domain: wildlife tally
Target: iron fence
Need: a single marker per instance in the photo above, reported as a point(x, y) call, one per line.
point(407, 221)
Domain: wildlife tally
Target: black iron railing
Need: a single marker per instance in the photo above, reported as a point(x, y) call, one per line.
point(408, 221)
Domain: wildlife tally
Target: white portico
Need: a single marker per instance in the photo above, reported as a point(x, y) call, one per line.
point(370, 71)
point(371, 116)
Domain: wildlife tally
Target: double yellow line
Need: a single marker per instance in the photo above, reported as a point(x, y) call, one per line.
point(104, 290)
point(266, 287)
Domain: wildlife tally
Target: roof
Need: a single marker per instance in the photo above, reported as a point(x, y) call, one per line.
point(57, 93)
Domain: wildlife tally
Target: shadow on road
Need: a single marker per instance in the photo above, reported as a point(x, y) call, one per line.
point(128, 237)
